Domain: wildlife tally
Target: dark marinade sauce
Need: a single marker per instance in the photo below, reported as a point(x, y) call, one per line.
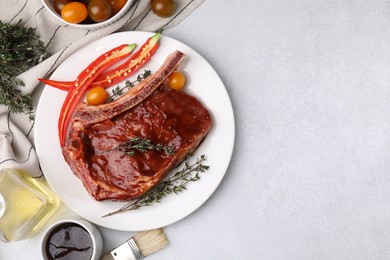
point(69, 242)
point(168, 117)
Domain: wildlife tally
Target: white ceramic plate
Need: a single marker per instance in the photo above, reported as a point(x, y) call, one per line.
point(203, 82)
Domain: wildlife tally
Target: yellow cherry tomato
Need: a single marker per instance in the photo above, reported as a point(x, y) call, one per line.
point(59, 4)
point(74, 12)
point(97, 96)
point(176, 80)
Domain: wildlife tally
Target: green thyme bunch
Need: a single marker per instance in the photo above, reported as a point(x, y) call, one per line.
point(20, 49)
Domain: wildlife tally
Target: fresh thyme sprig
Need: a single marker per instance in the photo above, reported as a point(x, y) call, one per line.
point(119, 91)
point(20, 49)
point(173, 184)
point(142, 145)
point(14, 99)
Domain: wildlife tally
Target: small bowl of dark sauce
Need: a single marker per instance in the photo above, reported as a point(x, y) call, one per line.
point(71, 240)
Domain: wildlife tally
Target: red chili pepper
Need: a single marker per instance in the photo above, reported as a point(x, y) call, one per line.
point(119, 73)
point(130, 66)
point(63, 85)
point(84, 80)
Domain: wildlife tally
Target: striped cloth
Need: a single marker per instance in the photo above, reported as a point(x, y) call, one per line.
point(16, 131)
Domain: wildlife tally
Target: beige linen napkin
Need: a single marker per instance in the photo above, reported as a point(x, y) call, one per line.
point(16, 131)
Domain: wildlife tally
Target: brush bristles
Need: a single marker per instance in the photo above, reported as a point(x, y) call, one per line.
point(151, 241)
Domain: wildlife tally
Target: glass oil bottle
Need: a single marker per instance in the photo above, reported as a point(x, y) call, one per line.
point(26, 204)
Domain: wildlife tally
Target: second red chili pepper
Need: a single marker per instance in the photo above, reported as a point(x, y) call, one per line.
point(119, 73)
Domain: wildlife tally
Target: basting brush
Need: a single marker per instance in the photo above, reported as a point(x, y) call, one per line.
point(142, 244)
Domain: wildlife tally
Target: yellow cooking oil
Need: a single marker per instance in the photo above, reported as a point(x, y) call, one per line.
point(26, 204)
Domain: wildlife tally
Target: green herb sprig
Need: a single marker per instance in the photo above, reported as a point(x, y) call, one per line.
point(20, 49)
point(142, 145)
point(119, 91)
point(173, 184)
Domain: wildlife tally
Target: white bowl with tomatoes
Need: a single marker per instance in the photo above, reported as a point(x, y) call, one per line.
point(88, 14)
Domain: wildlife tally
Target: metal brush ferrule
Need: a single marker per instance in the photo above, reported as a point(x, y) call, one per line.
point(134, 247)
point(127, 251)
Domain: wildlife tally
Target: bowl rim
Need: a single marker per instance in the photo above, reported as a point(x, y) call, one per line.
point(116, 17)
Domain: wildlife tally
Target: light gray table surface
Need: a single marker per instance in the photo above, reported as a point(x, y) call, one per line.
point(309, 178)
